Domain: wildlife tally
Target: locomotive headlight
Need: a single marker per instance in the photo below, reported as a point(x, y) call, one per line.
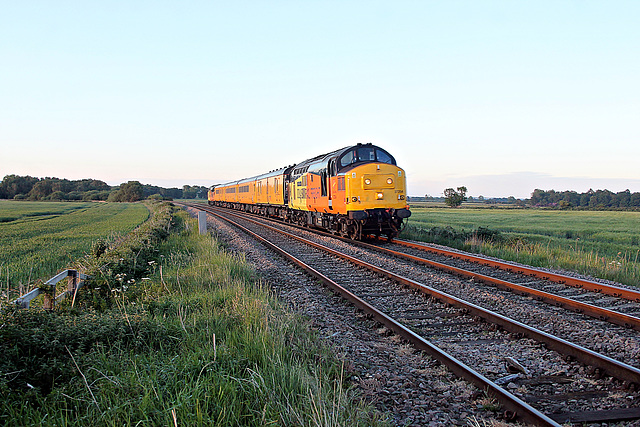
point(389, 181)
point(367, 181)
point(354, 199)
point(379, 196)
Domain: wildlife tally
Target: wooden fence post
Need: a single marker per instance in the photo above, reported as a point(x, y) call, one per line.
point(50, 297)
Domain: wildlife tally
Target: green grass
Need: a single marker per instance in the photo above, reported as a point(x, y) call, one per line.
point(602, 244)
point(38, 239)
point(201, 342)
point(14, 211)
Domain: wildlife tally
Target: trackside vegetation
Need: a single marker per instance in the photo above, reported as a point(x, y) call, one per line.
point(598, 243)
point(173, 330)
point(38, 239)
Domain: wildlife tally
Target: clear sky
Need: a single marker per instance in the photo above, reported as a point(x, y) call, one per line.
point(500, 96)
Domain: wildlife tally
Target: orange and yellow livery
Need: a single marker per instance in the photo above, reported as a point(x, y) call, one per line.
point(355, 191)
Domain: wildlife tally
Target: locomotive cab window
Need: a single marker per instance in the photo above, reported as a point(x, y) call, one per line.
point(384, 157)
point(347, 158)
point(365, 155)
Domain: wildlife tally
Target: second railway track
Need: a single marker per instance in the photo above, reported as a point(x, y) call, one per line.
point(545, 379)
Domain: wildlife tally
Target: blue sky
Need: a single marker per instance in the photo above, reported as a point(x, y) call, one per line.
point(500, 96)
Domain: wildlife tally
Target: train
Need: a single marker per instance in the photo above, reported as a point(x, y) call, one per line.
point(354, 192)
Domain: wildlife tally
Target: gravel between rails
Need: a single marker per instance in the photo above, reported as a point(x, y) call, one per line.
point(412, 388)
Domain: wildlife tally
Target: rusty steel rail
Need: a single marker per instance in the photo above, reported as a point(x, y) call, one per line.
point(612, 290)
point(515, 407)
point(580, 307)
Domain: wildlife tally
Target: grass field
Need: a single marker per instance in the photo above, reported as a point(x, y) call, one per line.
point(37, 239)
point(602, 244)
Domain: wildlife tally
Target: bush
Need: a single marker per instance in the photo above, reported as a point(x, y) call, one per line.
point(56, 195)
point(37, 344)
point(120, 269)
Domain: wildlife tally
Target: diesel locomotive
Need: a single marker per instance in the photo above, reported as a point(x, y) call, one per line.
point(353, 192)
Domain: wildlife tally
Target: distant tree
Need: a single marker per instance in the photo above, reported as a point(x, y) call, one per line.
point(622, 199)
point(538, 197)
point(57, 195)
point(193, 191)
point(563, 204)
point(41, 189)
point(95, 195)
point(75, 195)
point(166, 193)
point(130, 192)
point(455, 198)
point(85, 185)
point(13, 185)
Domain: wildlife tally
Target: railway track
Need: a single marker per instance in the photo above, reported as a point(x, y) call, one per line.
point(469, 339)
point(600, 300)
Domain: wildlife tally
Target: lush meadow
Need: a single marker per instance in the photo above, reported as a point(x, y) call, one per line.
point(38, 239)
point(172, 330)
point(599, 243)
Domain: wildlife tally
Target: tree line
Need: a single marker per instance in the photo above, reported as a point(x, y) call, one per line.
point(599, 199)
point(31, 188)
point(591, 199)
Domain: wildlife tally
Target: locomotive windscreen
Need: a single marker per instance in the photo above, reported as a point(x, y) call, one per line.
point(363, 154)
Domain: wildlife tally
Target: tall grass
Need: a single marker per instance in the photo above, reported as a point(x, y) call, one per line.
point(600, 244)
point(205, 343)
point(37, 239)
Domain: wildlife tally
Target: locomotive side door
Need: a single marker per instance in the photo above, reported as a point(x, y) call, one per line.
point(331, 173)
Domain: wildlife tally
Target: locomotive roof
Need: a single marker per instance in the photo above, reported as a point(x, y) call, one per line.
point(326, 157)
point(316, 162)
point(253, 178)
